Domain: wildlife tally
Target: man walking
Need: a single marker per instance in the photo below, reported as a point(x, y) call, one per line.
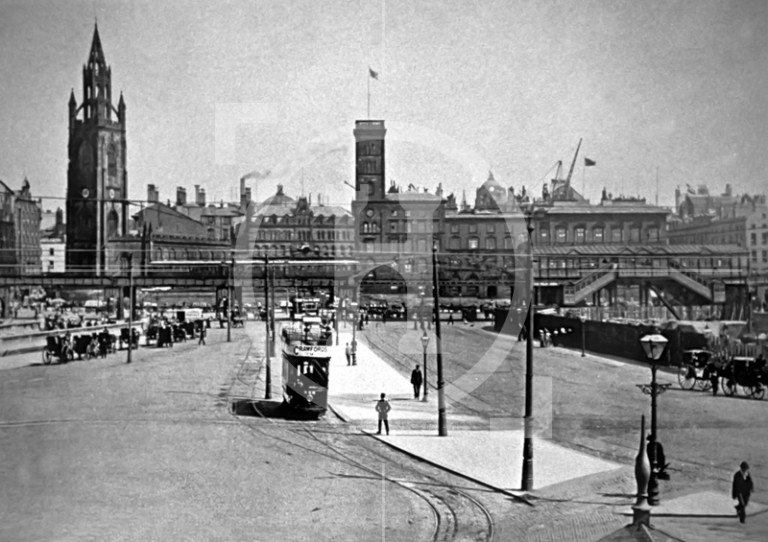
point(741, 490)
point(383, 408)
point(202, 335)
point(416, 380)
point(348, 353)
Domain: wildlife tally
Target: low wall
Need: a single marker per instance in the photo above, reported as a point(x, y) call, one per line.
point(604, 337)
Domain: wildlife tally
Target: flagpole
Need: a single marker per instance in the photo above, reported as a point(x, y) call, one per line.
point(368, 79)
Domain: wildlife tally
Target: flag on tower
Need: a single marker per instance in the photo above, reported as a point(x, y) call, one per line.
point(373, 74)
point(588, 162)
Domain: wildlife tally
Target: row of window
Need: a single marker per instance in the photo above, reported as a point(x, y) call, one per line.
point(764, 256)
point(764, 238)
point(598, 235)
point(288, 235)
point(286, 251)
point(188, 254)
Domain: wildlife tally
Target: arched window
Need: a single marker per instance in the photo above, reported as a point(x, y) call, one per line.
point(112, 164)
point(112, 222)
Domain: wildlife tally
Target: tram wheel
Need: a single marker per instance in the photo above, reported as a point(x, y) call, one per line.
point(729, 387)
point(686, 376)
point(47, 357)
point(757, 392)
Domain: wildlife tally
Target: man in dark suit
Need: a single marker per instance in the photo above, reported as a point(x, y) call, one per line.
point(741, 489)
point(416, 380)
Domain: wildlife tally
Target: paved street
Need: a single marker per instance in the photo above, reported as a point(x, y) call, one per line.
point(102, 450)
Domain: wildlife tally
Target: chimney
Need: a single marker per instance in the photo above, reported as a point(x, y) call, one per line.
point(243, 199)
point(248, 195)
point(181, 196)
point(200, 197)
point(59, 229)
point(153, 196)
point(728, 190)
point(197, 193)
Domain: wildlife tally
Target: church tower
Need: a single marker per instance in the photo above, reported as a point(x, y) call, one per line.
point(97, 182)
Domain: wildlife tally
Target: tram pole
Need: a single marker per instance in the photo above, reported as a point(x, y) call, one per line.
point(272, 315)
point(230, 279)
point(268, 361)
point(442, 429)
point(527, 481)
point(129, 258)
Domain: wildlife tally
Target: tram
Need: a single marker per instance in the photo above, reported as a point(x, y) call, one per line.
point(306, 364)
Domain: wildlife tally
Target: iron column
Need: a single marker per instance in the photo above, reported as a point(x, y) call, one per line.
point(442, 430)
point(527, 482)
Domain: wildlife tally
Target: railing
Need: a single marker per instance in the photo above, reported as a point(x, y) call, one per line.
point(574, 292)
point(689, 281)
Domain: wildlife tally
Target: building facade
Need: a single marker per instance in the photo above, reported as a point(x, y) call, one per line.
point(97, 181)
point(27, 214)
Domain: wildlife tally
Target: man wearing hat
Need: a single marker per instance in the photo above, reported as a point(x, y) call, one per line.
point(741, 490)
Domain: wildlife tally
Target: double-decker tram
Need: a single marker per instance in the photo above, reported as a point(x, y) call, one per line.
point(306, 364)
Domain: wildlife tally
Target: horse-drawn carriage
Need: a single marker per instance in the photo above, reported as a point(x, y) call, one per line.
point(749, 374)
point(129, 336)
point(696, 369)
point(58, 347)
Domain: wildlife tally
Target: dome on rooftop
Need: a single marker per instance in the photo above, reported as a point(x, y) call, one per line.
point(279, 199)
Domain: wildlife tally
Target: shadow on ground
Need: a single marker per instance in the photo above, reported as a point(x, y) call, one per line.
point(268, 409)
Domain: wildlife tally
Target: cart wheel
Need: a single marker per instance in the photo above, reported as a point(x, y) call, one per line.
point(47, 357)
point(729, 387)
point(87, 355)
point(757, 392)
point(686, 376)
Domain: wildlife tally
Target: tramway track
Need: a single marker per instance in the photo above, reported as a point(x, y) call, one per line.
point(456, 515)
point(450, 505)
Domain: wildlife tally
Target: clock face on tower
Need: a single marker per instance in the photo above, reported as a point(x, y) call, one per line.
point(85, 192)
point(111, 193)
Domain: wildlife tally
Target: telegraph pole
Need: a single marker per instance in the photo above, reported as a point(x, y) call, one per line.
point(268, 361)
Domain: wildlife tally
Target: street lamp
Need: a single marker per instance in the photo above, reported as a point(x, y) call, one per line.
point(583, 334)
point(442, 430)
point(425, 343)
point(653, 346)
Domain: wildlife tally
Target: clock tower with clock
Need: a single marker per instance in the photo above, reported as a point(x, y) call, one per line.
point(97, 183)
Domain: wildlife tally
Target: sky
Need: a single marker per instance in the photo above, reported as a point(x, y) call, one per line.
point(662, 93)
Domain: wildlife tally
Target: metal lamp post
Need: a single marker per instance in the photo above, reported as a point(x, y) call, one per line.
point(583, 334)
point(425, 343)
point(653, 346)
point(527, 477)
point(442, 429)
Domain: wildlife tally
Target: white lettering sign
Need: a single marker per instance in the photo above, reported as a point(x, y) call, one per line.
point(311, 350)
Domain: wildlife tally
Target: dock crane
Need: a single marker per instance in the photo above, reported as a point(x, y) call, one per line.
point(570, 171)
point(558, 181)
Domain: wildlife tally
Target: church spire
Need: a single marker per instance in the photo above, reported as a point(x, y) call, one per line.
point(97, 53)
